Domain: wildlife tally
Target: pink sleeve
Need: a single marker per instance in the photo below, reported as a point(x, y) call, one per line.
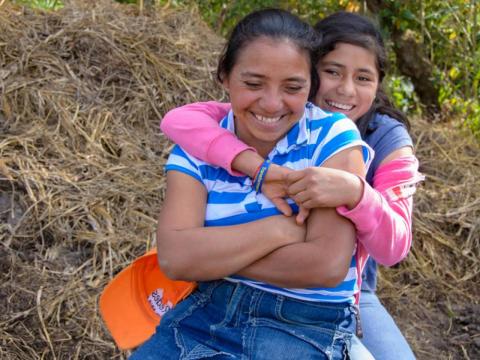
point(195, 128)
point(383, 217)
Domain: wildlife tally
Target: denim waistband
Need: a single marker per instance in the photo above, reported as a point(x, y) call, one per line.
point(262, 304)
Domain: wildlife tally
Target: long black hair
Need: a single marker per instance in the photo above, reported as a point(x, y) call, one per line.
point(354, 29)
point(276, 24)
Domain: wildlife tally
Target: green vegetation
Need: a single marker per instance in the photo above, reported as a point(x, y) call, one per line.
point(41, 4)
point(444, 36)
point(449, 34)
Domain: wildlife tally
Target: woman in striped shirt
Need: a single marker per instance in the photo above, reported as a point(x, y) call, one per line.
point(269, 288)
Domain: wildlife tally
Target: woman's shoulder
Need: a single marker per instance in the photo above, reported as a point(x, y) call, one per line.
point(385, 135)
point(331, 132)
point(386, 128)
point(321, 118)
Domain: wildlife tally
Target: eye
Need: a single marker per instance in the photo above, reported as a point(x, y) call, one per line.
point(252, 85)
point(364, 78)
point(331, 72)
point(293, 89)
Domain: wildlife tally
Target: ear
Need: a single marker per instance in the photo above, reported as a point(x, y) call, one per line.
point(225, 83)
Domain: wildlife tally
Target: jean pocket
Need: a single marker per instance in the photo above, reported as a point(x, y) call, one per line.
point(309, 313)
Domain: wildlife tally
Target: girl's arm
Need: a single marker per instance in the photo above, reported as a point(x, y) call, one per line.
point(195, 128)
point(383, 223)
point(324, 258)
point(383, 217)
point(189, 251)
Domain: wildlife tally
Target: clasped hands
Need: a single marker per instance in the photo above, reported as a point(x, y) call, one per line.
point(310, 188)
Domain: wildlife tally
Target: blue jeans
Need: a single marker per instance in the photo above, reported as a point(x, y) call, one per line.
point(381, 335)
point(225, 320)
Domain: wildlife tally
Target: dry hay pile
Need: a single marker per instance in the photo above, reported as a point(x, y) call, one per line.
point(81, 180)
point(435, 292)
point(81, 159)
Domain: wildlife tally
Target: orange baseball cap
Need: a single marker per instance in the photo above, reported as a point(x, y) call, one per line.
point(133, 303)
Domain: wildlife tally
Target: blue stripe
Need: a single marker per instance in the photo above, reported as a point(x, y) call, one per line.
point(366, 154)
point(293, 135)
point(344, 286)
point(353, 263)
point(212, 173)
point(294, 155)
point(224, 122)
point(243, 218)
point(292, 293)
point(325, 124)
point(248, 217)
point(337, 116)
point(313, 296)
point(337, 142)
point(215, 197)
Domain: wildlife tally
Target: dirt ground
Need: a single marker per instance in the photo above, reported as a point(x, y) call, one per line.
point(81, 180)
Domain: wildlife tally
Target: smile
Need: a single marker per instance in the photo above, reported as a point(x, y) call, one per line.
point(267, 120)
point(344, 107)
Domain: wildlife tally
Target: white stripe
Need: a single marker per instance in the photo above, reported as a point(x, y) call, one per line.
point(183, 162)
point(352, 274)
point(326, 297)
point(225, 186)
point(317, 113)
point(217, 211)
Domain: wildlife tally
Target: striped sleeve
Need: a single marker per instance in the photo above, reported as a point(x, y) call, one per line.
point(338, 133)
point(180, 161)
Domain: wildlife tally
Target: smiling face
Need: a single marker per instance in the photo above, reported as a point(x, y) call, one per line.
point(268, 86)
point(348, 80)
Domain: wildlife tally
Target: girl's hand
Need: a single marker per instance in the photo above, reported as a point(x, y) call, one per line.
point(316, 187)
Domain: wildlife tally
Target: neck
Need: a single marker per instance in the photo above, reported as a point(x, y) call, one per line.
point(263, 148)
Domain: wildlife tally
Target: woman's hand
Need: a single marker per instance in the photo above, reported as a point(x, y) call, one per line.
point(274, 187)
point(317, 187)
point(284, 229)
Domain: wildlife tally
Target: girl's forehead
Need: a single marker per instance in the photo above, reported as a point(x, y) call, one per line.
point(351, 55)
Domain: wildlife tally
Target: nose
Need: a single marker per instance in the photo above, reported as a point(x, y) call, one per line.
point(271, 101)
point(346, 87)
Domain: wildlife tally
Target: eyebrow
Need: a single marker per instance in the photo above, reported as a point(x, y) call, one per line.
point(298, 79)
point(365, 70)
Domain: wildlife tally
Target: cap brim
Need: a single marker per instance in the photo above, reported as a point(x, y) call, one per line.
point(127, 321)
point(124, 303)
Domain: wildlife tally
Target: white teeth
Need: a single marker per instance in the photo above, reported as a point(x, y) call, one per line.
point(268, 120)
point(340, 106)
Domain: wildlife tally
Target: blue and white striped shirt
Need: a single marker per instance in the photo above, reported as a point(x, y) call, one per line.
point(231, 200)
